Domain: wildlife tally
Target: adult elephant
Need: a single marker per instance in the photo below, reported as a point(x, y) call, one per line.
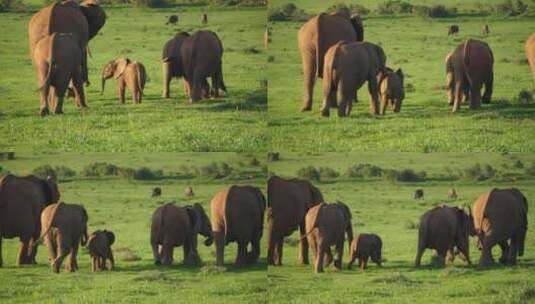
point(194, 57)
point(443, 229)
point(468, 68)
point(530, 52)
point(178, 226)
point(238, 216)
point(82, 20)
point(500, 218)
point(21, 201)
point(288, 203)
point(315, 37)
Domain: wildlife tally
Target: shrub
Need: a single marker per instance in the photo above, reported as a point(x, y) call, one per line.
point(511, 8)
point(44, 171)
point(127, 173)
point(479, 173)
point(309, 173)
point(99, 169)
point(364, 170)
point(390, 175)
point(287, 12)
point(525, 97)
point(254, 162)
point(273, 156)
point(409, 175)
point(392, 7)
point(440, 11)
point(349, 9)
point(289, 9)
point(145, 173)
point(327, 173)
point(530, 170)
point(518, 164)
point(149, 3)
point(64, 172)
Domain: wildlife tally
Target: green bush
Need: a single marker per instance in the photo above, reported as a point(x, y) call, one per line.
point(273, 156)
point(99, 169)
point(392, 7)
point(349, 9)
point(409, 175)
point(145, 173)
point(127, 173)
point(440, 11)
point(64, 172)
point(364, 170)
point(45, 171)
point(309, 173)
point(511, 8)
point(288, 12)
point(214, 170)
point(327, 173)
point(254, 162)
point(479, 173)
point(149, 3)
point(518, 164)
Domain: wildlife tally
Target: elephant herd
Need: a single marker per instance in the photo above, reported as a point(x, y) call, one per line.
point(332, 47)
point(32, 211)
point(59, 35)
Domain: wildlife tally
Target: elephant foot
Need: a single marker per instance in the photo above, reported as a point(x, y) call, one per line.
point(306, 108)
point(44, 112)
point(325, 113)
point(157, 263)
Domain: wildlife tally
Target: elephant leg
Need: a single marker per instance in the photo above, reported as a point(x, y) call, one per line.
point(314, 246)
point(1, 259)
point(458, 95)
point(196, 87)
point(93, 264)
point(486, 252)
point(241, 256)
point(166, 69)
point(384, 104)
point(351, 261)
point(219, 240)
point(155, 253)
point(374, 95)
point(329, 98)
point(167, 253)
point(303, 245)
point(62, 251)
point(450, 256)
point(52, 249)
point(121, 88)
point(22, 257)
point(215, 86)
point(278, 252)
point(73, 265)
point(42, 71)
point(475, 95)
point(489, 85)
point(513, 251)
point(419, 253)
point(187, 87)
point(309, 79)
point(505, 252)
point(328, 257)
point(112, 260)
point(255, 249)
point(339, 254)
point(271, 246)
point(321, 256)
point(79, 94)
point(343, 98)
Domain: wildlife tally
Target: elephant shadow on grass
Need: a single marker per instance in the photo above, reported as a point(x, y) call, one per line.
point(238, 100)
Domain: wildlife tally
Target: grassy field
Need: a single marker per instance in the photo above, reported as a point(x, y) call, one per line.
point(126, 208)
point(234, 123)
point(389, 210)
point(425, 124)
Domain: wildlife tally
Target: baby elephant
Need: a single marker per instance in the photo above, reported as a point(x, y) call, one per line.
point(129, 74)
point(325, 225)
point(363, 247)
point(391, 90)
point(58, 60)
point(99, 245)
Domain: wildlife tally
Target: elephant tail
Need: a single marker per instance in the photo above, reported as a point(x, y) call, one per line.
point(466, 59)
point(51, 61)
point(311, 219)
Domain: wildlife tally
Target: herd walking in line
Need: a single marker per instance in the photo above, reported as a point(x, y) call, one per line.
point(33, 212)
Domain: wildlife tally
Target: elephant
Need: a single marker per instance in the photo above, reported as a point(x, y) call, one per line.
point(325, 225)
point(238, 216)
point(419, 194)
point(445, 229)
point(22, 200)
point(288, 202)
point(452, 194)
point(82, 20)
point(530, 53)
point(156, 191)
point(188, 192)
point(194, 57)
point(453, 30)
point(99, 246)
point(347, 66)
point(500, 217)
point(365, 246)
point(315, 37)
point(57, 60)
point(204, 18)
point(129, 74)
point(64, 228)
point(468, 68)
point(174, 226)
point(391, 90)
point(173, 19)
point(485, 30)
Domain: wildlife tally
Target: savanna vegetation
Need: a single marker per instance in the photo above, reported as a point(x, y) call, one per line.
point(125, 206)
point(387, 207)
point(235, 122)
point(417, 44)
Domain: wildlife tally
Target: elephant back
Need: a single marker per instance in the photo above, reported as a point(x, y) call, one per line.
point(243, 213)
point(172, 223)
point(203, 51)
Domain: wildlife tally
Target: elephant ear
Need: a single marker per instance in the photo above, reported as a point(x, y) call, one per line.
point(315, 195)
point(356, 22)
point(345, 210)
point(120, 67)
point(110, 236)
point(195, 218)
point(50, 189)
point(95, 15)
point(399, 72)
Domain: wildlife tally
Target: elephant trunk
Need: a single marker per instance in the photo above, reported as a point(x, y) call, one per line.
point(103, 84)
point(349, 232)
point(209, 239)
point(84, 238)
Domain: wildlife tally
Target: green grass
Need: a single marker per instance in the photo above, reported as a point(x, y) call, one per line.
point(126, 208)
point(387, 209)
point(236, 122)
point(425, 124)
